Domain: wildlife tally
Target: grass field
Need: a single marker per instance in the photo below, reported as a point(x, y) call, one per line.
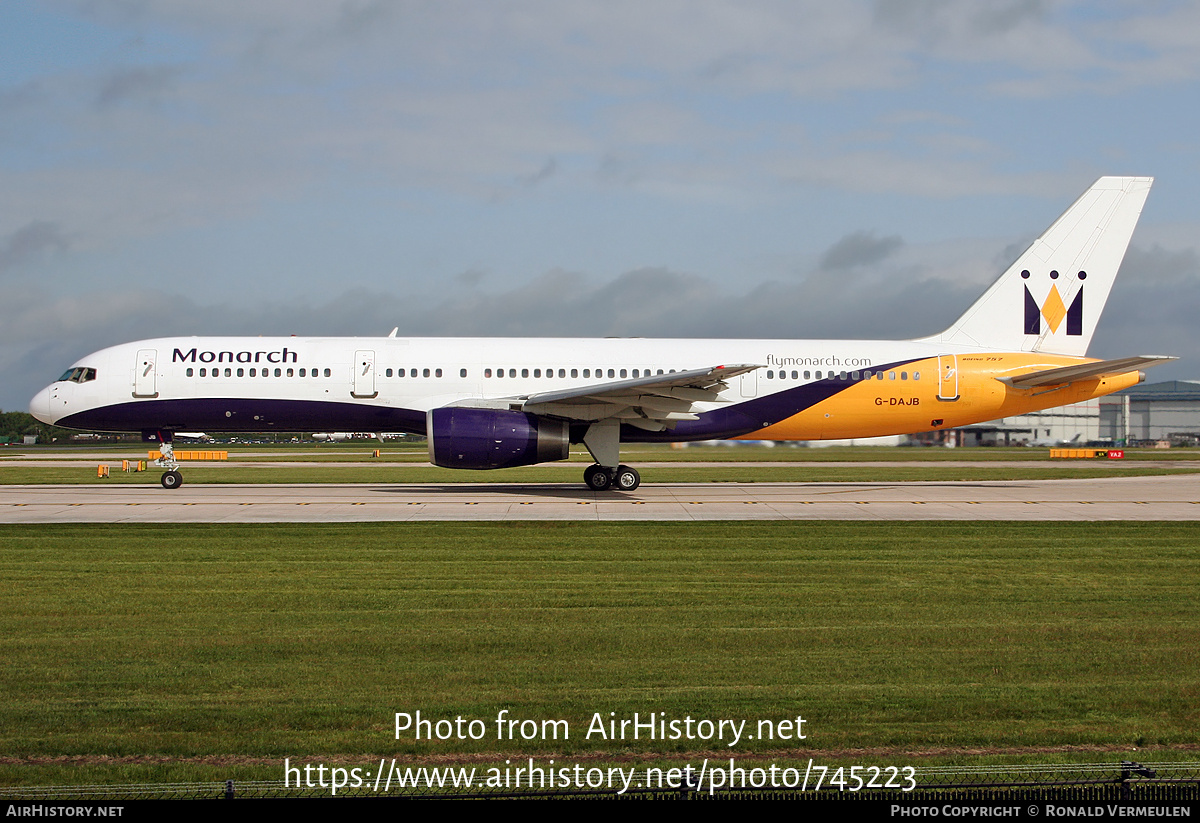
point(159, 652)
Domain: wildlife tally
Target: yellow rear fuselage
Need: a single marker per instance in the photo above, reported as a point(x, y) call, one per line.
point(921, 396)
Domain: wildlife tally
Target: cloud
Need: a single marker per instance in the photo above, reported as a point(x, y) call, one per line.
point(862, 248)
point(1152, 310)
point(139, 82)
point(29, 241)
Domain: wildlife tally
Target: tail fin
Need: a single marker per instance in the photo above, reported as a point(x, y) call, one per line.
point(1051, 298)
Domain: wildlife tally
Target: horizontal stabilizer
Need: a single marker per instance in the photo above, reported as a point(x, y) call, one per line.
point(1085, 371)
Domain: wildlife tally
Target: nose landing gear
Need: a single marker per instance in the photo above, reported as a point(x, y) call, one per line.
point(172, 478)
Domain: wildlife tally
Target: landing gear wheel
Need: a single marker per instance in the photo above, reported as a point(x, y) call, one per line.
point(172, 480)
point(627, 479)
point(597, 477)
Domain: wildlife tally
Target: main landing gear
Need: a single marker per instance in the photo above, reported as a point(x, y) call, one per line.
point(603, 441)
point(622, 478)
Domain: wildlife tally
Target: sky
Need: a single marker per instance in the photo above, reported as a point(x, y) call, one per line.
point(786, 169)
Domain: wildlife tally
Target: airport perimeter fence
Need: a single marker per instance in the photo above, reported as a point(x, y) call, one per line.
point(1123, 783)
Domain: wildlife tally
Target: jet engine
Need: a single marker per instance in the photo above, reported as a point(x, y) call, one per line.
point(465, 438)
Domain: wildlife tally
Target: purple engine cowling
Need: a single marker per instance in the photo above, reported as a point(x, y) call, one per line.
point(463, 438)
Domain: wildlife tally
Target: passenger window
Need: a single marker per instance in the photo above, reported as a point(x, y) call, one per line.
point(537, 372)
point(278, 372)
point(563, 373)
point(612, 373)
point(462, 372)
point(437, 372)
point(891, 375)
point(189, 372)
point(327, 372)
point(903, 375)
point(204, 372)
point(254, 372)
point(916, 375)
point(587, 372)
point(512, 372)
point(388, 372)
point(854, 375)
point(241, 372)
point(635, 372)
point(574, 373)
point(289, 373)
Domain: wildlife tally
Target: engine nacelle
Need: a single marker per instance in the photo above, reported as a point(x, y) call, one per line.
point(464, 438)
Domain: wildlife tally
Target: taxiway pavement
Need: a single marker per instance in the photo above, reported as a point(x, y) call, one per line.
point(1167, 497)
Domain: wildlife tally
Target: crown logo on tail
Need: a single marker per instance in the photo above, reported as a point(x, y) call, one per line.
point(1053, 310)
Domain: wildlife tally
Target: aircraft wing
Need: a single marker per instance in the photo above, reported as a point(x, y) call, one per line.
point(654, 403)
point(1084, 371)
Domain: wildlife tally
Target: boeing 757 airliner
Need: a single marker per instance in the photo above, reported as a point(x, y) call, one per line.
point(496, 403)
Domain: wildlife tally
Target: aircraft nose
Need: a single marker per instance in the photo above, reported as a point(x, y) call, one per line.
point(39, 406)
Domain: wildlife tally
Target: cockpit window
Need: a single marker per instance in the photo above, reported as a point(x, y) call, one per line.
point(81, 374)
